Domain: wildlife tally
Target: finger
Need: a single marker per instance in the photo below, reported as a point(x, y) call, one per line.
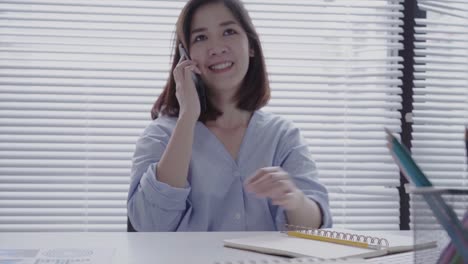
point(185, 63)
point(197, 70)
point(177, 77)
point(193, 68)
point(275, 190)
point(284, 201)
point(179, 68)
point(254, 186)
point(189, 71)
point(260, 173)
point(268, 179)
point(184, 73)
point(281, 202)
point(182, 58)
point(277, 193)
point(260, 188)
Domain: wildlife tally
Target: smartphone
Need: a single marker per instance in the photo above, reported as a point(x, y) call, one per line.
point(199, 85)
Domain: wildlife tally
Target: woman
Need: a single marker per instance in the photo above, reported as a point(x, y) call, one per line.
point(233, 167)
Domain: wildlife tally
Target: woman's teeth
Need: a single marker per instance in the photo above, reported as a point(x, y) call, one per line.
point(221, 66)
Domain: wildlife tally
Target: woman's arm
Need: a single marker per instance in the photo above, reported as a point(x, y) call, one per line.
point(307, 213)
point(158, 192)
point(152, 204)
point(277, 184)
point(174, 164)
point(293, 184)
point(173, 167)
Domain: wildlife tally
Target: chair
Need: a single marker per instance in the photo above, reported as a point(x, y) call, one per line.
point(129, 226)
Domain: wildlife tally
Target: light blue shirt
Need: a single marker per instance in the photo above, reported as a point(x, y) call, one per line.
point(214, 198)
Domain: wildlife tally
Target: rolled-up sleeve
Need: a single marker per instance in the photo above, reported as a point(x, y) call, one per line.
point(153, 205)
point(294, 157)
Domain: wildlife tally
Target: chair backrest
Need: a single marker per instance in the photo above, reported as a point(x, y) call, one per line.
point(129, 226)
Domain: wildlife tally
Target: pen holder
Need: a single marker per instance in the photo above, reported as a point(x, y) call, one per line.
point(427, 228)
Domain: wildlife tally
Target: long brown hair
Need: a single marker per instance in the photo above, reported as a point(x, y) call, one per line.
point(255, 89)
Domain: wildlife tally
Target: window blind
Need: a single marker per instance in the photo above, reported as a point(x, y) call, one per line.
point(441, 101)
point(78, 79)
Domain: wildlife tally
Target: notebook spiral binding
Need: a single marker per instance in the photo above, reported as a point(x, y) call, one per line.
point(374, 241)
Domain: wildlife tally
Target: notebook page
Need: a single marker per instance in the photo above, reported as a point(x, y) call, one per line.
point(281, 244)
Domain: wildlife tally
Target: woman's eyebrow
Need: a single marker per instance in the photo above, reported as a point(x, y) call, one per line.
point(227, 23)
point(223, 24)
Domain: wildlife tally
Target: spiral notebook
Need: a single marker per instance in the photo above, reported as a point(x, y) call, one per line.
point(328, 244)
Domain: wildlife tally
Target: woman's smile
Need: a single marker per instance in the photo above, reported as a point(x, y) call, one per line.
point(221, 67)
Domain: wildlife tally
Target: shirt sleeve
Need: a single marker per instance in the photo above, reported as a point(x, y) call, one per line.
point(153, 205)
point(294, 157)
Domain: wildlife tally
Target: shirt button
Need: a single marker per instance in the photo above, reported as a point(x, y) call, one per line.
point(237, 216)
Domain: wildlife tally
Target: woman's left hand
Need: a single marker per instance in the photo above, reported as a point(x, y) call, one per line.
point(276, 184)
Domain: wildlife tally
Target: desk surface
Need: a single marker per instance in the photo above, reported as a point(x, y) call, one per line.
point(141, 248)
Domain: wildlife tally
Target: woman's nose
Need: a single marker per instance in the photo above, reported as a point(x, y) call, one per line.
point(217, 50)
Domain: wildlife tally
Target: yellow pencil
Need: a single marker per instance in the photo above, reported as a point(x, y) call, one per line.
point(332, 240)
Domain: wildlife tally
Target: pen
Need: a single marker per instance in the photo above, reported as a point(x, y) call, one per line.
point(332, 240)
point(410, 169)
point(443, 213)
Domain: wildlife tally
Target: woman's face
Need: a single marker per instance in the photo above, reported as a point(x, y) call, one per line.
point(220, 47)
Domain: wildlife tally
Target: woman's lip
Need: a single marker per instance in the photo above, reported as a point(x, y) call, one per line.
point(221, 70)
point(221, 62)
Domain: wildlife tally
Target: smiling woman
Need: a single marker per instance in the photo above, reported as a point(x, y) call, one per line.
point(78, 78)
point(221, 48)
point(211, 171)
point(207, 34)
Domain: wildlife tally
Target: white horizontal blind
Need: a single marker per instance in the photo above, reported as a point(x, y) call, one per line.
point(441, 100)
point(336, 75)
point(78, 79)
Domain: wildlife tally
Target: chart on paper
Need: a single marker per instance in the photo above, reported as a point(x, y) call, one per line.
point(56, 256)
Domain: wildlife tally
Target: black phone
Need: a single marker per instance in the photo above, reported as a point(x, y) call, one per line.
point(199, 85)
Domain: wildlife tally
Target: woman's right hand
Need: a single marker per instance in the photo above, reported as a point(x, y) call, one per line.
point(186, 92)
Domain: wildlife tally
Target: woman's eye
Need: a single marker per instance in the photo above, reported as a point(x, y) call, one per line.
point(229, 32)
point(199, 38)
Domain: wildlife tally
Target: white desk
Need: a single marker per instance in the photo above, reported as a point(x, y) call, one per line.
point(141, 248)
